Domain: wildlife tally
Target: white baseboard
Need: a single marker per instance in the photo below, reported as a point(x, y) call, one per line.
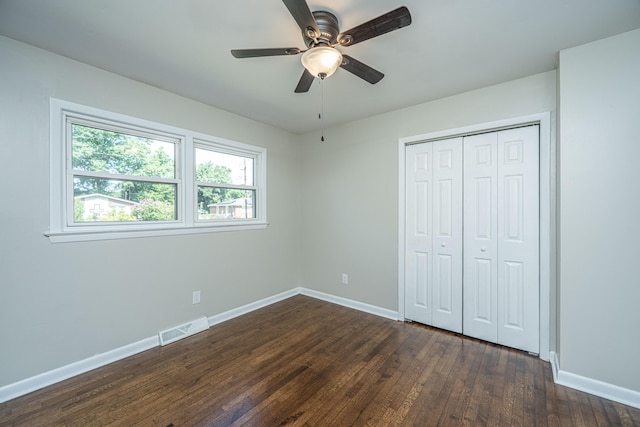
point(357, 305)
point(20, 388)
point(591, 386)
point(248, 308)
point(45, 379)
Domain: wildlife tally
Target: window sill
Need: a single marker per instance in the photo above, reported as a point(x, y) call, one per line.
point(86, 236)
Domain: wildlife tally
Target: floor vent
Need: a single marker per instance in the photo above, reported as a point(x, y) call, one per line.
point(178, 332)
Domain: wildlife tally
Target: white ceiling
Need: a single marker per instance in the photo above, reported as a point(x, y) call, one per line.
point(183, 46)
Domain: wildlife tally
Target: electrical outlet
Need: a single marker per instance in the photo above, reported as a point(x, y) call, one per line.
point(345, 279)
point(196, 297)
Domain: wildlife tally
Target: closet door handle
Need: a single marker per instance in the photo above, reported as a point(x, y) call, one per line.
point(483, 249)
point(443, 244)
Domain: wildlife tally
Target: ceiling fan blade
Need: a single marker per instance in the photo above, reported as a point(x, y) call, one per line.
point(383, 24)
point(305, 82)
point(303, 16)
point(253, 53)
point(361, 70)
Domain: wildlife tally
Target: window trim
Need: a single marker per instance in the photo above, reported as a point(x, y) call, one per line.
point(187, 223)
point(207, 144)
point(69, 119)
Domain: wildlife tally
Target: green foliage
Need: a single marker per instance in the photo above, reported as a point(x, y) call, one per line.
point(101, 150)
point(154, 210)
point(97, 150)
point(78, 210)
point(117, 215)
point(208, 172)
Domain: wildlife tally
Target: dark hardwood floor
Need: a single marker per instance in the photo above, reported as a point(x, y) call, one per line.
point(305, 362)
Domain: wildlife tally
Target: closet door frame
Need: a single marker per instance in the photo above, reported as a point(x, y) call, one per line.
point(547, 211)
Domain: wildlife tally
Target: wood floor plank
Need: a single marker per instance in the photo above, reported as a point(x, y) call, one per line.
point(305, 362)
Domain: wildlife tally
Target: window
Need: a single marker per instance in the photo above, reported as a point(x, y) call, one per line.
point(225, 183)
point(114, 176)
point(119, 175)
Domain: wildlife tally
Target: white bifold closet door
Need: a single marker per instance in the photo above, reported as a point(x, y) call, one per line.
point(501, 237)
point(434, 234)
point(471, 236)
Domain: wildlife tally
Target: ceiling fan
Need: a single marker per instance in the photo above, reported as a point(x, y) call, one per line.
point(321, 34)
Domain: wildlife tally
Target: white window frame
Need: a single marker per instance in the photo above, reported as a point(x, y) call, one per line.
point(211, 145)
point(61, 229)
point(69, 174)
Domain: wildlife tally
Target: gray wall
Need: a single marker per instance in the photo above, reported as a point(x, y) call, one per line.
point(50, 314)
point(350, 185)
point(599, 207)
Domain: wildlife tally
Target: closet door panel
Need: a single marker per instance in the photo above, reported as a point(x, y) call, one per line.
point(447, 235)
point(518, 238)
point(480, 237)
point(418, 233)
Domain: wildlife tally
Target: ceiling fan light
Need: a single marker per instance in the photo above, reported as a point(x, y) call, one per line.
point(322, 60)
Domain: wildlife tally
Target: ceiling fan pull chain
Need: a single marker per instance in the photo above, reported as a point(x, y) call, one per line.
point(321, 114)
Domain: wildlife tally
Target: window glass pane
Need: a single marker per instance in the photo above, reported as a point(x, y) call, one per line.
point(99, 150)
point(221, 168)
point(225, 203)
point(109, 200)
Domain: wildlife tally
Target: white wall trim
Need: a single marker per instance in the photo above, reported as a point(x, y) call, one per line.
point(248, 308)
point(553, 359)
point(547, 208)
point(62, 373)
point(402, 145)
point(20, 388)
point(345, 302)
point(591, 386)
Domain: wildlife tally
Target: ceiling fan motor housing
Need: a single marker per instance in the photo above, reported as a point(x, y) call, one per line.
point(329, 30)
